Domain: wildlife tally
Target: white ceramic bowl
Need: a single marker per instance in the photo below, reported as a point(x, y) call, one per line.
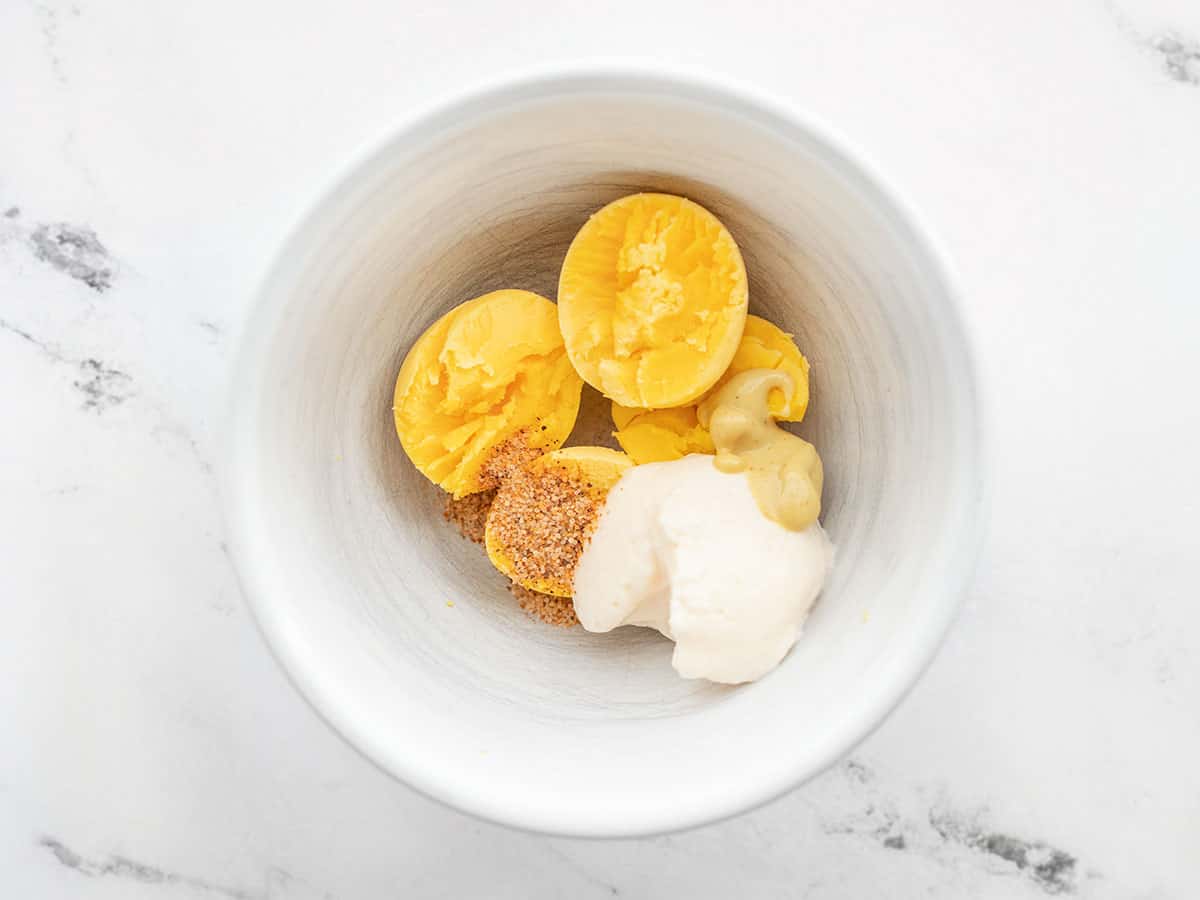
point(340, 542)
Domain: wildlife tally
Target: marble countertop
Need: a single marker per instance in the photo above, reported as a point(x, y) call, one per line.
point(153, 154)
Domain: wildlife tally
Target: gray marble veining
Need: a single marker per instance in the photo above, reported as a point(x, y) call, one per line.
point(75, 251)
point(101, 386)
point(123, 868)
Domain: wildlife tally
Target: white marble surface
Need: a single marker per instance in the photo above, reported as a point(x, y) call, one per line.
point(150, 746)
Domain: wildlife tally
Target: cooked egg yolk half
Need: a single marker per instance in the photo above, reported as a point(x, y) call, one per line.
point(652, 300)
point(541, 520)
point(487, 370)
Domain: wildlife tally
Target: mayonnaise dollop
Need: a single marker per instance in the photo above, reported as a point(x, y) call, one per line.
point(685, 548)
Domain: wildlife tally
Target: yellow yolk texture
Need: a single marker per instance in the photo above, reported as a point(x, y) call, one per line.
point(660, 435)
point(652, 300)
point(552, 534)
point(665, 434)
point(488, 369)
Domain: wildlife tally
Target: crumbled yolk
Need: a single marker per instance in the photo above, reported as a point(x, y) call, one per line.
point(659, 435)
point(652, 300)
point(490, 368)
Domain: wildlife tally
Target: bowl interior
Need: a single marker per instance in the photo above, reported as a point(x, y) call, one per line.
point(353, 572)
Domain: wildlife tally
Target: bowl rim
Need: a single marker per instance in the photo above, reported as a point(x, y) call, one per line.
point(512, 806)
